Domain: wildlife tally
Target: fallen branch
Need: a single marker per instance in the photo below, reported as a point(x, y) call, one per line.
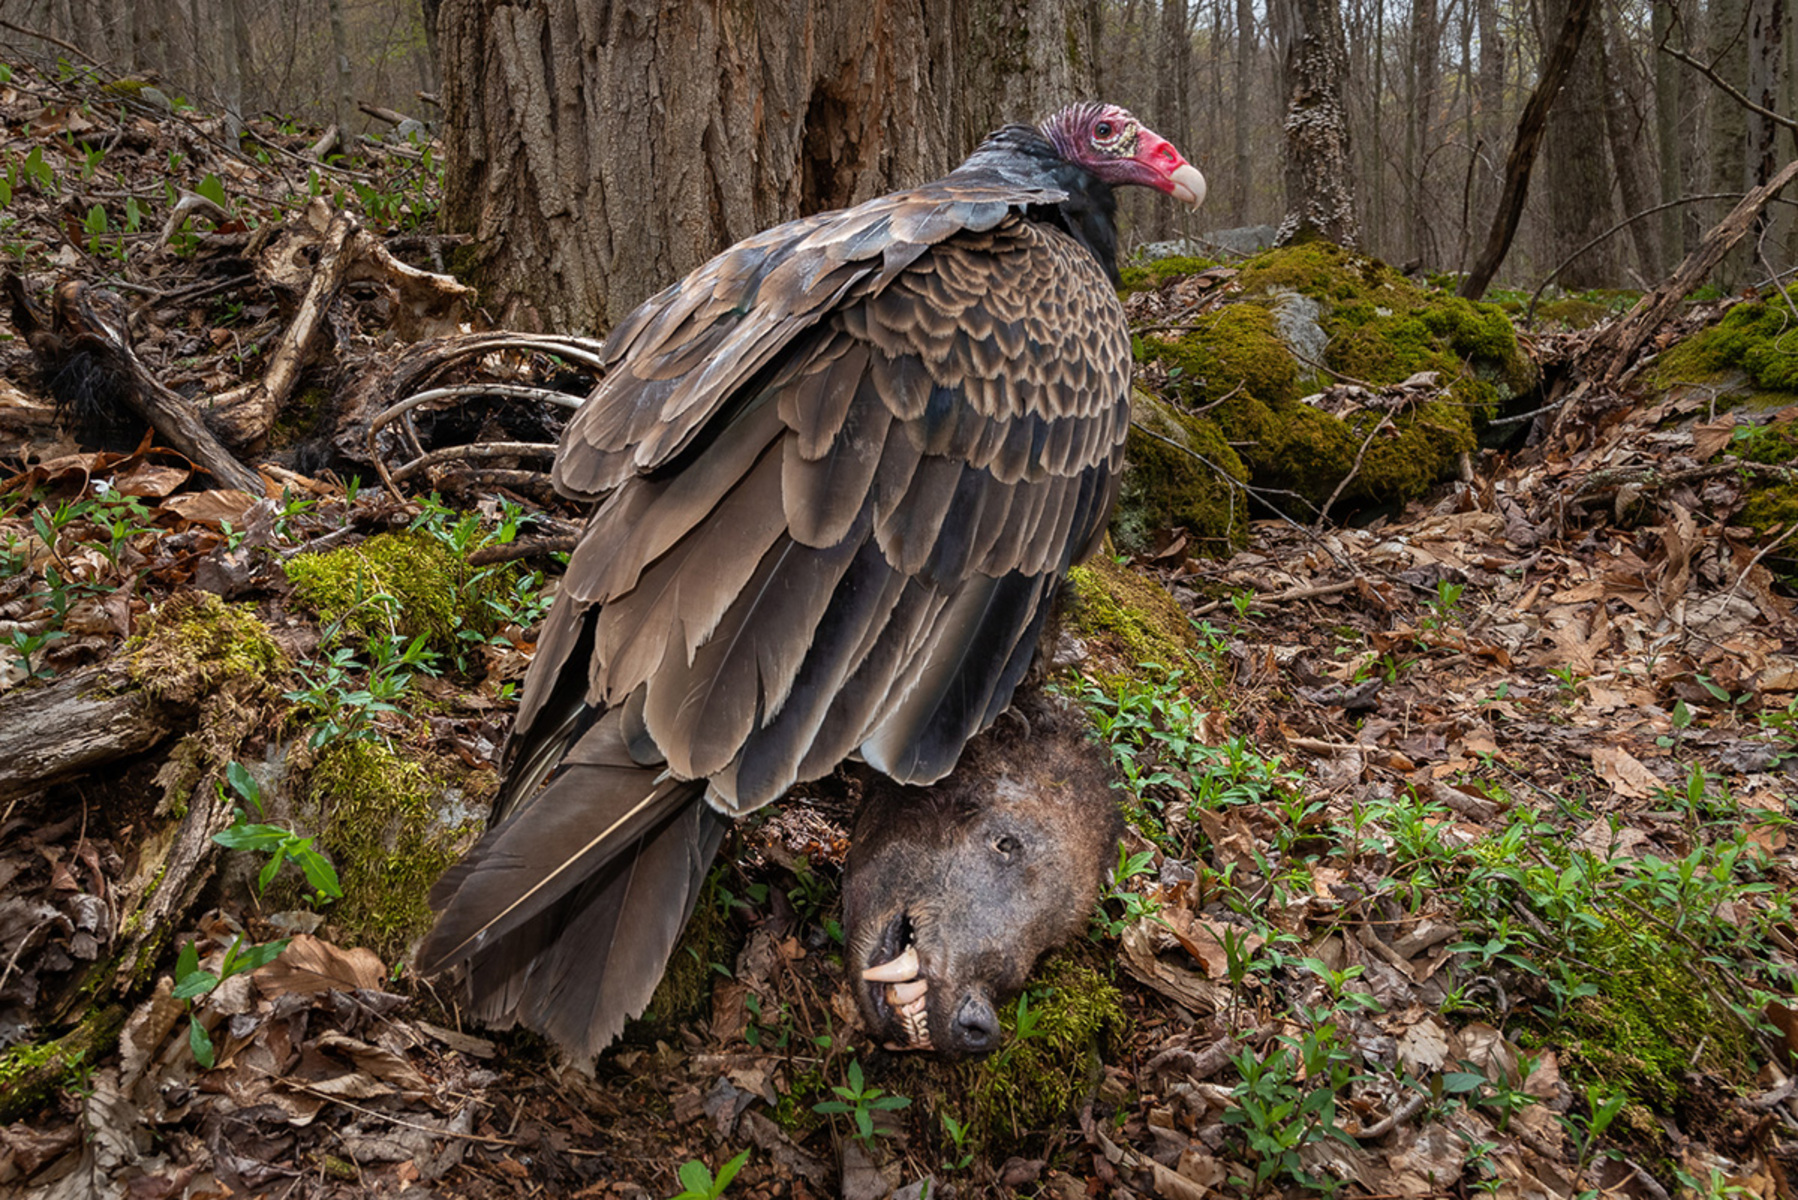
point(72, 726)
point(83, 347)
point(1618, 345)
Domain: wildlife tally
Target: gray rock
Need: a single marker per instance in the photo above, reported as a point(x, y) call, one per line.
point(1245, 240)
point(1297, 320)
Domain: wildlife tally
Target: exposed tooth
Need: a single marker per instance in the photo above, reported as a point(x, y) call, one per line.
point(905, 993)
point(898, 971)
point(914, 1008)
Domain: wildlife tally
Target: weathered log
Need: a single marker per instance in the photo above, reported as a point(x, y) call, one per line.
point(73, 725)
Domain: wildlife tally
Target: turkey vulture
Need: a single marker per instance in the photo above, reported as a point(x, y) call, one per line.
point(840, 471)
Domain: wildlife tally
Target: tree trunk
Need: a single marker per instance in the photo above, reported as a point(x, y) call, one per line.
point(1420, 102)
point(1245, 57)
point(1320, 199)
point(1624, 128)
point(598, 153)
point(1725, 142)
point(343, 100)
point(1522, 159)
point(1668, 76)
point(1766, 45)
point(1579, 172)
point(1174, 55)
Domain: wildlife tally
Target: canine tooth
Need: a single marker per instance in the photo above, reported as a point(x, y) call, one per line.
point(905, 993)
point(898, 971)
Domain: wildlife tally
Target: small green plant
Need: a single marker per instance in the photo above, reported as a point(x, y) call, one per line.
point(698, 1182)
point(861, 1103)
point(191, 983)
point(961, 1154)
point(1444, 607)
point(280, 844)
point(1134, 904)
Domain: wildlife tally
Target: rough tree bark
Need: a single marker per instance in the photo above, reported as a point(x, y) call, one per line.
point(599, 152)
point(1668, 77)
point(1579, 170)
point(1245, 57)
point(1625, 128)
point(1420, 103)
point(1522, 158)
point(1320, 200)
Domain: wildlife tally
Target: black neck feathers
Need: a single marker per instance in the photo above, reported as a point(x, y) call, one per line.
point(1019, 154)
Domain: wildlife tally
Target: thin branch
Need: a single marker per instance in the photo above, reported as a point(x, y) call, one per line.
point(1529, 314)
point(1355, 469)
point(1726, 87)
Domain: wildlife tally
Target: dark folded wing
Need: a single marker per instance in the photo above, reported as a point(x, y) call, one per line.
point(844, 467)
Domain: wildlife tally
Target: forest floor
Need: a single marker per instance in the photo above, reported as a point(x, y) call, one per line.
point(1460, 856)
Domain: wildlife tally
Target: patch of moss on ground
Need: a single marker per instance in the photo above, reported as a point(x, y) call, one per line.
point(1167, 486)
point(1147, 276)
point(378, 815)
point(1572, 313)
point(432, 592)
point(196, 645)
point(1035, 1081)
point(1758, 337)
point(1650, 1016)
point(1127, 614)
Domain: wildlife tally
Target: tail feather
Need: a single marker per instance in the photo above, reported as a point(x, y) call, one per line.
point(566, 911)
point(580, 969)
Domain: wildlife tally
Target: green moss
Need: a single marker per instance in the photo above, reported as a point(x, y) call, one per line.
point(1572, 313)
point(406, 583)
point(33, 1072)
point(1236, 374)
point(1235, 350)
point(378, 816)
point(1128, 614)
point(1147, 276)
point(1035, 1081)
point(1758, 338)
point(1650, 1017)
point(1165, 485)
point(197, 645)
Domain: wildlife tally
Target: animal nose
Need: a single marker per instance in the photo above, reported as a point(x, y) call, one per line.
point(976, 1028)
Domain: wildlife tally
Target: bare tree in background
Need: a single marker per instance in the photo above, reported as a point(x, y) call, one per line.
point(1579, 167)
point(1320, 197)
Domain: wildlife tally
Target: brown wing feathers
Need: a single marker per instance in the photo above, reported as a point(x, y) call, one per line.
point(841, 468)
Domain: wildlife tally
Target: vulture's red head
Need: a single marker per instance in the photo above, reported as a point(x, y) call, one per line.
point(1119, 149)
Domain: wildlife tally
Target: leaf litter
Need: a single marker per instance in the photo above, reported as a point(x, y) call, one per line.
point(1478, 797)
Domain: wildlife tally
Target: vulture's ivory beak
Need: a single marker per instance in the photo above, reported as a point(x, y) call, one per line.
point(1188, 185)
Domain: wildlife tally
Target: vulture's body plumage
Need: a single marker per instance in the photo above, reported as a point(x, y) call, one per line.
point(840, 472)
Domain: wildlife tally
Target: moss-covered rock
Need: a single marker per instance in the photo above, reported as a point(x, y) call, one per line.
point(391, 824)
point(1238, 375)
point(407, 583)
point(1758, 338)
point(1182, 473)
point(1126, 618)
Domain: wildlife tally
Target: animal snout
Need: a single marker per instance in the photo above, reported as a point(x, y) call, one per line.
point(975, 1029)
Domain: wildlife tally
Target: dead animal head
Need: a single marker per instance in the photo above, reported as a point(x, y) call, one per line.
point(953, 891)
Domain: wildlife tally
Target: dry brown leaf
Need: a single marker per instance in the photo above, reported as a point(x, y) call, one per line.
point(1627, 776)
point(310, 965)
point(211, 507)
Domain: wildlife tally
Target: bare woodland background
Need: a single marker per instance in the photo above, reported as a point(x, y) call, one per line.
point(799, 106)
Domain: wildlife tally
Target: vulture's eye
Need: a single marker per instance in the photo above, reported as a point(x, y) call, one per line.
point(1007, 845)
point(1104, 129)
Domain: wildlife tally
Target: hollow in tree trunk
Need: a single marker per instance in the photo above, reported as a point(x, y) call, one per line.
point(598, 153)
